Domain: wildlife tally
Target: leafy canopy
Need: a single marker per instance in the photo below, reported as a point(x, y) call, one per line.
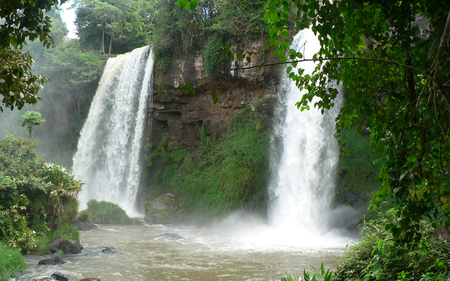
point(21, 20)
point(31, 119)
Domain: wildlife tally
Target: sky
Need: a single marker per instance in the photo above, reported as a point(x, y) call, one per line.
point(68, 16)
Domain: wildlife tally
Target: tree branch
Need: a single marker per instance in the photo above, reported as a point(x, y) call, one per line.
point(349, 58)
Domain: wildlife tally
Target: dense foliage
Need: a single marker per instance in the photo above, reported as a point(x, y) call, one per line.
point(357, 172)
point(114, 26)
point(374, 257)
point(36, 196)
point(118, 26)
point(107, 213)
point(392, 58)
point(21, 20)
point(222, 175)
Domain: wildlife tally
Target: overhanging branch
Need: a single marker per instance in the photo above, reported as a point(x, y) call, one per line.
point(429, 77)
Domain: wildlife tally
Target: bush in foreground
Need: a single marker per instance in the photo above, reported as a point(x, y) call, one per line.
point(11, 262)
point(36, 196)
point(377, 257)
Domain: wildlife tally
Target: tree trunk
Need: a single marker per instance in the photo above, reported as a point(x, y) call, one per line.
point(110, 45)
point(102, 48)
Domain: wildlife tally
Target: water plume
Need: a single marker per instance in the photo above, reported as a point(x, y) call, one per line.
point(304, 173)
point(107, 159)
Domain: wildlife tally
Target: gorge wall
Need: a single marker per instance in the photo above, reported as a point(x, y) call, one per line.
point(182, 114)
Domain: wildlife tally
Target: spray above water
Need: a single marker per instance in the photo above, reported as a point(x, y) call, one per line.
point(107, 159)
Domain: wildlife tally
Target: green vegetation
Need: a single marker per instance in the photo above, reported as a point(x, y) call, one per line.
point(84, 217)
point(171, 215)
point(108, 213)
point(63, 232)
point(222, 175)
point(377, 257)
point(36, 197)
point(31, 119)
point(11, 262)
point(357, 171)
point(317, 275)
point(21, 21)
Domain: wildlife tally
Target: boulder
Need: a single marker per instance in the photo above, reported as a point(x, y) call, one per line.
point(166, 236)
point(51, 261)
point(109, 250)
point(166, 202)
point(440, 234)
point(70, 246)
point(84, 226)
point(54, 246)
point(61, 277)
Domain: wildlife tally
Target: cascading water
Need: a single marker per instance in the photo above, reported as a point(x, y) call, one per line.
point(107, 159)
point(303, 180)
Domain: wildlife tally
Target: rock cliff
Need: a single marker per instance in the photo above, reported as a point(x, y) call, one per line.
point(236, 85)
point(182, 114)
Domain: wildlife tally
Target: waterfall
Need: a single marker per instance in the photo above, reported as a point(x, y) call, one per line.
point(107, 159)
point(303, 177)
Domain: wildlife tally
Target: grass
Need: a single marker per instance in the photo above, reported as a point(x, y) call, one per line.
point(11, 262)
point(64, 232)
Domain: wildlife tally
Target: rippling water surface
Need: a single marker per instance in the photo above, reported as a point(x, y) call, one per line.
point(254, 252)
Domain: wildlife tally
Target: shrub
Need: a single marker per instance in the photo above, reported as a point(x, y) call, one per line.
point(108, 213)
point(11, 262)
point(377, 257)
point(35, 196)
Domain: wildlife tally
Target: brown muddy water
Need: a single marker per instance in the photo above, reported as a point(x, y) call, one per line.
point(223, 252)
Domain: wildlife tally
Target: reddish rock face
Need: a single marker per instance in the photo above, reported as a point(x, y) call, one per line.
point(182, 114)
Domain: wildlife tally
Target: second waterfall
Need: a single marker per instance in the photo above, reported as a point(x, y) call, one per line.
point(303, 178)
point(107, 159)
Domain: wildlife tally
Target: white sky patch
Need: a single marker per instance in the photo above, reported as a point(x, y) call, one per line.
point(68, 16)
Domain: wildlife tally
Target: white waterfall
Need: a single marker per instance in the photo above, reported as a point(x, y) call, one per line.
point(303, 181)
point(107, 159)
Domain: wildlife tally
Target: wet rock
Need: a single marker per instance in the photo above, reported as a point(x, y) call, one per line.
point(70, 246)
point(54, 246)
point(166, 202)
point(61, 277)
point(109, 250)
point(91, 279)
point(51, 261)
point(163, 209)
point(84, 226)
point(440, 234)
point(166, 236)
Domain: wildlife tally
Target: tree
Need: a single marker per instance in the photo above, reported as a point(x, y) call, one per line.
point(20, 21)
point(31, 119)
point(125, 24)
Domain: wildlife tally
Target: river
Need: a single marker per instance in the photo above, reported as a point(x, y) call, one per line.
point(223, 252)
